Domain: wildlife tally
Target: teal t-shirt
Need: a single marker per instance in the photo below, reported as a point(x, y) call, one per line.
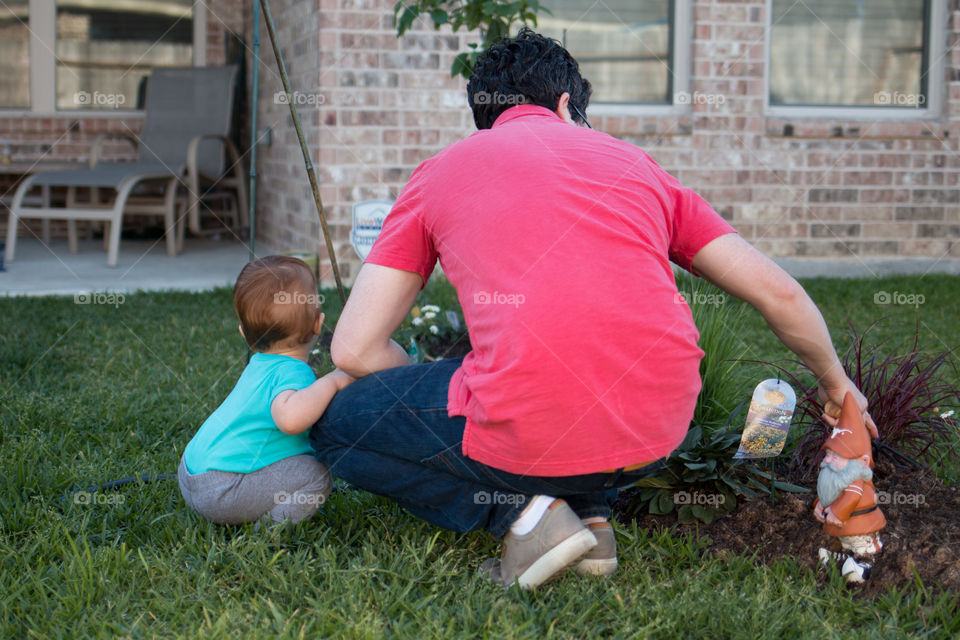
point(241, 436)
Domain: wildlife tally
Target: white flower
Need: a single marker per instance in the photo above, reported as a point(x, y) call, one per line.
point(430, 307)
point(429, 315)
point(947, 414)
point(434, 330)
point(417, 322)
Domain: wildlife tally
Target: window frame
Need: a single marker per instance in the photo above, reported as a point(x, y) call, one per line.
point(679, 71)
point(42, 23)
point(935, 51)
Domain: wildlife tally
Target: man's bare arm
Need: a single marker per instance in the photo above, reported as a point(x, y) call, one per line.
point(379, 301)
point(734, 266)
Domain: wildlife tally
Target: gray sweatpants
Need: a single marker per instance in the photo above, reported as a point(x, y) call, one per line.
point(289, 489)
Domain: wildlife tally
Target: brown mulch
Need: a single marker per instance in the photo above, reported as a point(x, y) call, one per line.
point(922, 536)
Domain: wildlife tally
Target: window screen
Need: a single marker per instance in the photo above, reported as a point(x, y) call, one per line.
point(623, 47)
point(14, 53)
point(848, 53)
point(105, 48)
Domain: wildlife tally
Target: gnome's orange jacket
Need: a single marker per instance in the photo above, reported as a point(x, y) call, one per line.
point(857, 497)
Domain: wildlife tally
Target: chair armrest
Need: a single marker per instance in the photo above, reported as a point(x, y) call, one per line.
point(232, 154)
point(97, 149)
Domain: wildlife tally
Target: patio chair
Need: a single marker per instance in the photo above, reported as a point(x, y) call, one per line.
point(185, 133)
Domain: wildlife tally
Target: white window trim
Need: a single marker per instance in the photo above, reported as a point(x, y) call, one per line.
point(936, 81)
point(43, 66)
point(682, 68)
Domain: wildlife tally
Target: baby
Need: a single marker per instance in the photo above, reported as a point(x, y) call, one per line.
point(251, 458)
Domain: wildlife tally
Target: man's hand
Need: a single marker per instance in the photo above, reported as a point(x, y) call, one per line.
point(832, 397)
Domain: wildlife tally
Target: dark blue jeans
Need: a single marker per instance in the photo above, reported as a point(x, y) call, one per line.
point(389, 433)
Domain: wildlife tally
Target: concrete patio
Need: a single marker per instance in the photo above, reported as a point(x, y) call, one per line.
point(143, 265)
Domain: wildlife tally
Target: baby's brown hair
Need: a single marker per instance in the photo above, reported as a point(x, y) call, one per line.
point(277, 302)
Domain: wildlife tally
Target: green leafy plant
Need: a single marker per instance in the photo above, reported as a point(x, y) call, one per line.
point(701, 479)
point(720, 322)
point(493, 18)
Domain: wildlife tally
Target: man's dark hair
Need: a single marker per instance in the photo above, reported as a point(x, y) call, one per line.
point(527, 69)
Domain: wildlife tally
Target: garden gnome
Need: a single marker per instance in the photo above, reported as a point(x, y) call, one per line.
point(846, 499)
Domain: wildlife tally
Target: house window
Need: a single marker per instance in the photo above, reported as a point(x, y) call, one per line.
point(633, 52)
point(91, 55)
point(106, 47)
point(15, 53)
point(856, 56)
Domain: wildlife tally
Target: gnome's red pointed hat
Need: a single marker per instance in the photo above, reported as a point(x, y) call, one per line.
point(850, 438)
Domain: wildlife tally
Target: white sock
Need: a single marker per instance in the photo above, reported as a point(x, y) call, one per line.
point(531, 515)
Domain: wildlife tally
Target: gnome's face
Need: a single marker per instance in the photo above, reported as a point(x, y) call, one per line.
point(837, 473)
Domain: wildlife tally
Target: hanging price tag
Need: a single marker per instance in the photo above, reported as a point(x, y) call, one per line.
point(768, 421)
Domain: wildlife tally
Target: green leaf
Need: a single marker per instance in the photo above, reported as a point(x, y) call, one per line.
point(461, 66)
point(709, 465)
point(439, 17)
point(662, 503)
point(685, 514)
point(406, 20)
point(497, 30)
point(507, 10)
point(698, 477)
point(703, 514)
point(729, 502)
point(786, 486)
point(653, 481)
point(693, 437)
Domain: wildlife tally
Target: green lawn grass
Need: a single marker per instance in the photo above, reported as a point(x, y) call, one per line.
point(93, 393)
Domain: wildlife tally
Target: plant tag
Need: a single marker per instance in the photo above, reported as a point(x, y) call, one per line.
point(768, 421)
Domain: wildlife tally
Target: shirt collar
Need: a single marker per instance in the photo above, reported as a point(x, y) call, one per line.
point(524, 111)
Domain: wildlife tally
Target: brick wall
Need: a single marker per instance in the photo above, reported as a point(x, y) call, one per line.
point(807, 188)
point(373, 106)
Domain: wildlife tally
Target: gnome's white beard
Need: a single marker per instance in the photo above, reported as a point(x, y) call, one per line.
point(832, 481)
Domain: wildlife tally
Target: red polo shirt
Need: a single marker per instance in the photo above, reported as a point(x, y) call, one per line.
point(558, 240)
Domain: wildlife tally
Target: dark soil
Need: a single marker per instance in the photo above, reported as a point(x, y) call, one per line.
point(922, 536)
